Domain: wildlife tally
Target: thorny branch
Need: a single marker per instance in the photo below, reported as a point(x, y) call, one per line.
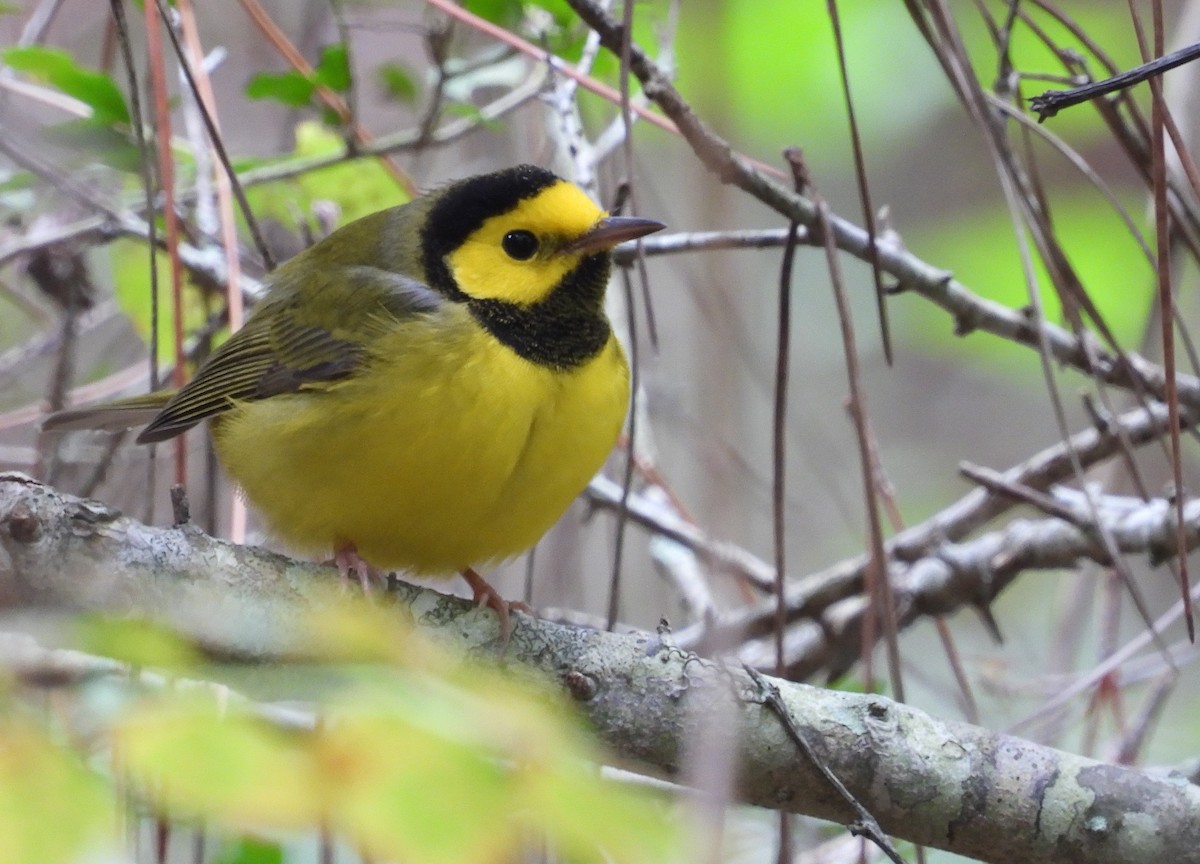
point(936, 569)
point(969, 311)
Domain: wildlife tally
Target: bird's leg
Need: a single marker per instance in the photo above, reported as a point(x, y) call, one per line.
point(485, 595)
point(348, 561)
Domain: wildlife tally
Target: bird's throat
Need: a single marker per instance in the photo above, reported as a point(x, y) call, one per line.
point(563, 331)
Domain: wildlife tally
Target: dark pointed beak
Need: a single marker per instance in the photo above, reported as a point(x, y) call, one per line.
point(610, 231)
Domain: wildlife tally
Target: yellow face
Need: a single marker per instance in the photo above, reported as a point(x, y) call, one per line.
point(523, 269)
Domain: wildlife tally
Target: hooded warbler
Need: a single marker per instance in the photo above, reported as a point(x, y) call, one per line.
point(425, 389)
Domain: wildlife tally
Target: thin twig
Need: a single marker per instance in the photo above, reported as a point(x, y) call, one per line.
point(865, 824)
point(779, 417)
point(204, 106)
point(1051, 102)
point(1158, 114)
point(970, 311)
point(360, 135)
point(996, 482)
point(614, 585)
point(878, 586)
point(864, 187)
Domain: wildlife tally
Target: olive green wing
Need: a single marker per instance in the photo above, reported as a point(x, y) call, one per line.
point(297, 339)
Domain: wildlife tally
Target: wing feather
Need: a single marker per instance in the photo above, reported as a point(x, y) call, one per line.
point(289, 344)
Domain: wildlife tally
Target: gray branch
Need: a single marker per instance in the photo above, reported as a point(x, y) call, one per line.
point(934, 567)
point(970, 311)
point(939, 783)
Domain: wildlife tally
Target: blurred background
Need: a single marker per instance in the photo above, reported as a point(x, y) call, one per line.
point(764, 74)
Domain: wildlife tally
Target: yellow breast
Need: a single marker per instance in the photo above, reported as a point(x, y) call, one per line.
point(448, 451)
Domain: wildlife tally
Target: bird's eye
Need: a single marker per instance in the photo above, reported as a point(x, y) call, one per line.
point(520, 245)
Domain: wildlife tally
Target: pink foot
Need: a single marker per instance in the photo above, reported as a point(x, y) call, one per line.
point(348, 561)
point(485, 595)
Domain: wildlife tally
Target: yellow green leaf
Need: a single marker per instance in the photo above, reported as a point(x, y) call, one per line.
point(52, 808)
point(223, 766)
point(357, 187)
point(136, 641)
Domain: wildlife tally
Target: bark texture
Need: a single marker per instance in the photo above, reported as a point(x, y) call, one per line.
point(940, 783)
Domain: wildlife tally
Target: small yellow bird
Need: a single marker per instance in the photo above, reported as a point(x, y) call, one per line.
point(425, 389)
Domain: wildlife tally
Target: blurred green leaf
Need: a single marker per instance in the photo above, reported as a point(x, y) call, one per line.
point(129, 265)
point(414, 794)
point(333, 69)
point(357, 188)
point(331, 118)
point(562, 14)
point(97, 142)
point(1106, 25)
point(472, 112)
point(224, 766)
point(51, 807)
point(572, 801)
point(18, 181)
point(403, 765)
point(397, 82)
point(506, 13)
point(58, 69)
point(295, 89)
point(734, 60)
point(415, 757)
point(738, 57)
point(289, 88)
point(980, 247)
point(251, 851)
point(418, 749)
point(138, 642)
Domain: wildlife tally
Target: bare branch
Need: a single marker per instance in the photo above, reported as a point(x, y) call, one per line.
point(970, 311)
point(949, 785)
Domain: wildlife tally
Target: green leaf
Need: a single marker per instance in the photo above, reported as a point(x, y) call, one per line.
point(980, 247)
point(58, 69)
point(97, 142)
point(472, 112)
point(51, 807)
point(331, 118)
point(503, 12)
point(289, 88)
point(129, 262)
point(251, 851)
point(221, 764)
point(357, 188)
point(138, 642)
point(393, 779)
point(18, 181)
point(578, 811)
point(562, 14)
point(333, 70)
point(397, 83)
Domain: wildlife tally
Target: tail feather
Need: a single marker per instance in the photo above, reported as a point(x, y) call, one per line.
point(110, 416)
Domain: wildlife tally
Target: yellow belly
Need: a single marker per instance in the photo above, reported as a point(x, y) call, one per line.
point(449, 451)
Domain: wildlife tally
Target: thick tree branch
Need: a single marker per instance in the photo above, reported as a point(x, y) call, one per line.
point(943, 784)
